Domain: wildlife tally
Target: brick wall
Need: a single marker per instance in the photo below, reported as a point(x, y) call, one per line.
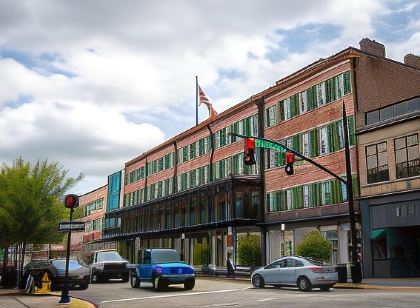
point(381, 82)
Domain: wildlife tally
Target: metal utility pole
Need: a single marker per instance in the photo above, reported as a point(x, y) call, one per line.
point(65, 291)
point(356, 270)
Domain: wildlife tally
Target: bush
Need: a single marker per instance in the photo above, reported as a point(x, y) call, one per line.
point(249, 250)
point(314, 246)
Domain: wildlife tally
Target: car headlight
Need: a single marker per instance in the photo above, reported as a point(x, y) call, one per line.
point(100, 266)
point(159, 270)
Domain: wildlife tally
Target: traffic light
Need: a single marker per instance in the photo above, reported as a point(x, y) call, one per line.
point(290, 159)
point(71, 201)
point(249, 152)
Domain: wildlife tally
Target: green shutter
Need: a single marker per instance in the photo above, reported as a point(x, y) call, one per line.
point(280, 159)
point(312, 103)
point(334, 192)
point(333, 88)
point(281, 110)
point(355, 182)
point(347, 82)
point(328, 90)
point(296, 143)
point(352, 137)
point(314, 142)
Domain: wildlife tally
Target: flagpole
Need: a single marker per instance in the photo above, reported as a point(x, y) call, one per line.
point(196, 100)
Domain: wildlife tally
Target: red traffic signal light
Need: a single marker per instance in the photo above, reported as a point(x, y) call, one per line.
point(290, 159)
point(249, 151)
point(71, 201)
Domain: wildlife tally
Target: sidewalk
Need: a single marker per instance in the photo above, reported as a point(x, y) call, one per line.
point(409, 284)
point(401, 284)
point(18, 298)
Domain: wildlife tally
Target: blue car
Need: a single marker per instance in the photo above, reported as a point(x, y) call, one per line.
point(162, 267)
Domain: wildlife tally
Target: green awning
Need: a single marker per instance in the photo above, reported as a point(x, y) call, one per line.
point(377, 234)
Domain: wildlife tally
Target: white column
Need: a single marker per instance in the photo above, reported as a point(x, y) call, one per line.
point(343, 246)
point(274, 246)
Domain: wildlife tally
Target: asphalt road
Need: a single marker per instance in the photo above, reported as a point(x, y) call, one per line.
point(229, 293)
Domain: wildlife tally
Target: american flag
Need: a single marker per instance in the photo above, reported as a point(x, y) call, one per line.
point(202, 97)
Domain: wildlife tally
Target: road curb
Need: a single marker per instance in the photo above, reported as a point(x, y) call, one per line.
point(373, 287)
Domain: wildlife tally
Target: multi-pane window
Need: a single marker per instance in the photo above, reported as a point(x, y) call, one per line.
point(320, 94)
point(407, 157)
point(393, 111)
point(270, 116)
point(377, 163)
point(326, 193)
point(303, 102)
point(306, 202)
point(289, 199)
point(323, 141)
point(306, 145)
point(287, 110)
point(309, 195)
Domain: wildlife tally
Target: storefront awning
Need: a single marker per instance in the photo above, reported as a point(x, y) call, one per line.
point(377, 234)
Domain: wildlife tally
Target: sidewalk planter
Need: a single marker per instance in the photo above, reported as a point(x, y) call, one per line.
point(342, 272)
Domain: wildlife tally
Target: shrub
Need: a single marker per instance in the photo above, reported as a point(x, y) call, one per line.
point(315, 246)
point(249, 250)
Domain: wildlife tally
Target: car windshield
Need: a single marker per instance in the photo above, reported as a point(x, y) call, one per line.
point(108, 256)
point(61, 264)
point(164, 256)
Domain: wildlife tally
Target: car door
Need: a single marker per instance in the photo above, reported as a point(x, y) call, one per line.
point(287, 271)
point(145, 269)
point(271, 272)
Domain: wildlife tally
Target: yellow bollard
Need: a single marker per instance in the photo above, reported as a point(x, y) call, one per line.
point(46, 285)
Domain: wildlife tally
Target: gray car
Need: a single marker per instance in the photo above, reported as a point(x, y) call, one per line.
point(296, 271)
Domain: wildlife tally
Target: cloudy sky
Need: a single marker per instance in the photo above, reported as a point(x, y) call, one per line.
point(92, 84)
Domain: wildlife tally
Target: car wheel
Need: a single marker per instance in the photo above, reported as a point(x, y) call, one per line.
point(95, 278)
point(83, 286)
point(125, 278)
point(189, 284)
point(134, 280)
point(258, 281)
point(155, 283)
point(304, 284)
point(325, 288)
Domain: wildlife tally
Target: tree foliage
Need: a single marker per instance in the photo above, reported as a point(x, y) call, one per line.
point(315, 246)
point(249, 250)
point(30, 206)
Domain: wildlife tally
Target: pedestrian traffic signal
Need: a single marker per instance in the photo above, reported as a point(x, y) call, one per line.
point(249, 152)
point(290, 159)
point(71, 201)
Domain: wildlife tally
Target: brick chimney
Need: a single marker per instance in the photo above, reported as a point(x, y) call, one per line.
point(412, 60)
point(372, 47)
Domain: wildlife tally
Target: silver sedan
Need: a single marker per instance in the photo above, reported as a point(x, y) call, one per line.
point(295, 271)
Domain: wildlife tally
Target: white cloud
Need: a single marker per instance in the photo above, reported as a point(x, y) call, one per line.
point(139, 58)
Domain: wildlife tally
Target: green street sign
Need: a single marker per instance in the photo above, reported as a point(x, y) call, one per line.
point(268, 145)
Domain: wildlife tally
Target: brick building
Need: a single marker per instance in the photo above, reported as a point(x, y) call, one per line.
point(193, 192)
point(388, 128)
point(92, 206)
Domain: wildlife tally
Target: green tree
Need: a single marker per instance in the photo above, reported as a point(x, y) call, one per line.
point(315, 246)
point(249, 250)
point(30, 202)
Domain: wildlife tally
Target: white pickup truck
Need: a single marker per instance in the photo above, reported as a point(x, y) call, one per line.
point(108, 264)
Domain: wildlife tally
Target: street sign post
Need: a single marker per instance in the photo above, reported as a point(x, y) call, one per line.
point(71, 201)
point(66, 226)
